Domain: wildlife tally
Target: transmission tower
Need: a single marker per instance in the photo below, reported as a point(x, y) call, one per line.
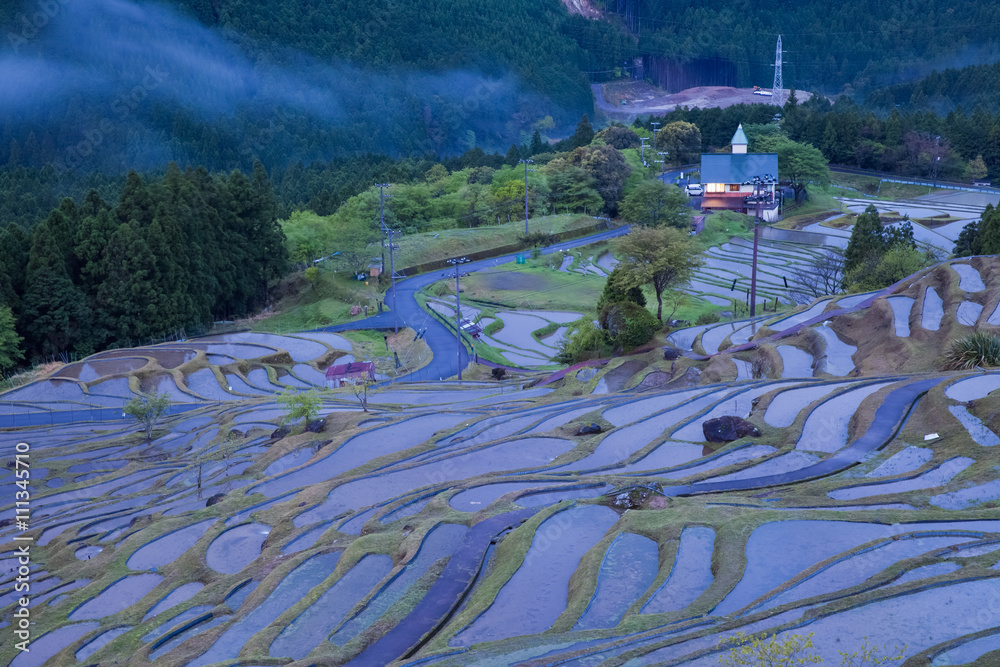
point(778, 83)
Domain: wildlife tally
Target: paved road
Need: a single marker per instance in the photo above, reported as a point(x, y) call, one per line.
point(439, 338)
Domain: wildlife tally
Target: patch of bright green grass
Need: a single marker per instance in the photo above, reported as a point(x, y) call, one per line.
point(856, 185)
point(722, 226)
point(534, 288)
point(415, 249)
point(327, 302)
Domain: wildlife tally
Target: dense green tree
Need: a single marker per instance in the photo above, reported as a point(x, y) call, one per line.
point(798, 163)
point(628, 325)
point(537, 145)
point(976, 169)
point(620, 287)
point(681, 141)
point(878, 256)
point(867, 241)
point(583, 135)
point(967, 243)
point(513, 156)
point(988, 237)
point(607, 165)
point(10, 342)
point(13, 264)
point(620, 137)
point(655, 204)
point(572, 188)
point(897, 263)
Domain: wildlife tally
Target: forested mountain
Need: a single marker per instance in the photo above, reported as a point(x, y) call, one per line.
point(107, 85)
point(858, 43)
point(968, 87)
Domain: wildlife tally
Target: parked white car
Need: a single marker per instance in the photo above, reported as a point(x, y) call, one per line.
point(695, 189)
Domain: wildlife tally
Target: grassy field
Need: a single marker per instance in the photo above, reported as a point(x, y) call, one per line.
point(855, 185)
point(821, 204)
point(530, 287)
point(720, 227)
point(327, 302)
point(431, 246)
point(543, 288)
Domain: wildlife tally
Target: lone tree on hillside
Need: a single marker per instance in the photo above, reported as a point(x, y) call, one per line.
point(146, 410)
point(825, 276)
point(304, 405)
point(665, 258)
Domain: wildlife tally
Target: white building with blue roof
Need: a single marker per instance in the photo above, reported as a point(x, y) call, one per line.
point(728, 180)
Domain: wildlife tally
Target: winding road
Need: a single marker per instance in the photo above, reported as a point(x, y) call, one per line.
point(439, 338)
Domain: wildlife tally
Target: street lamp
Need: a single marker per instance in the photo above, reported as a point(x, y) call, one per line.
point(757, 198)
point(458, 312)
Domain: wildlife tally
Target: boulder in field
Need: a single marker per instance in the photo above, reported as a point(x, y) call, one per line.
point(589, 429)
point(728, 428)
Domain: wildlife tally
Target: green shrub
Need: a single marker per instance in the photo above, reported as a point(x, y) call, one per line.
point(882, 271)
point(707, 318)
point(629, 325)
point(585, 342)
point(304, 405)
point(618, 288)
point(978, 349)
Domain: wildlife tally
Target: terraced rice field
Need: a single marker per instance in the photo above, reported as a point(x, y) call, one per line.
point(476, 524)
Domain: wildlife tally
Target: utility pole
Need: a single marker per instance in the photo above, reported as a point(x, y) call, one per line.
point(390, 233)
point(526, 170)
point(757, 198)
point(458, 312)
point(381, 212)
point(937, 158)
point(656, 128)
point(642, 148)
point(387, 242)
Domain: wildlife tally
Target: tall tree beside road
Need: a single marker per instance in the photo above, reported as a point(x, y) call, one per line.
point(665, 258)
point(681, 141)
point(798, 163)
point(655, 204)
